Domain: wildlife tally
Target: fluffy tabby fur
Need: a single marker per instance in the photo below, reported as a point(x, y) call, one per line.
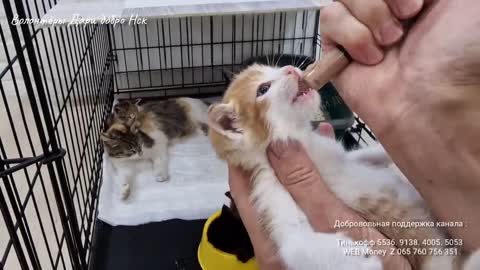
point(251, 117)
point(137, 131)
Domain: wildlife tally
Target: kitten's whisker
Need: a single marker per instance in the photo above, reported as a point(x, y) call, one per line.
point(299, 58)
point(266, 56)
point(298, 61)
point(276, 64)
point(303, 62)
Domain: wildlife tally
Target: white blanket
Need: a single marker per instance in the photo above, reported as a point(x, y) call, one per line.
point(198, 181)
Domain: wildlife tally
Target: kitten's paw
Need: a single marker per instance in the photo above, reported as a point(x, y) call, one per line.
point(125, 191)
point(312, 251)
point(162, 177)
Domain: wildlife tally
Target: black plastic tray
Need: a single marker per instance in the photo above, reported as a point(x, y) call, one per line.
point(167, 245)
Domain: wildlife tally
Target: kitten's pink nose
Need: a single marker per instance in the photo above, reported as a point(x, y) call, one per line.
point(293, 71)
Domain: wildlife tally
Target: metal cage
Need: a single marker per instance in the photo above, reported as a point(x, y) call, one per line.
point(57, 86)
point(189, 56)
point(56, 89)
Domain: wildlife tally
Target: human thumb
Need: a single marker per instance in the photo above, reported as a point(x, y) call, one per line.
point(301, 179)
point(299, 176)
point(291, 164)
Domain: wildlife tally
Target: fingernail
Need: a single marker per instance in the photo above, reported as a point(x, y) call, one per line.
point(374, 55)
point(281, 149)
point(390, 32)
point(407, 8)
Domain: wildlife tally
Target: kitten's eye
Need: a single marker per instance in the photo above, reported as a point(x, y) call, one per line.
point(263, 88)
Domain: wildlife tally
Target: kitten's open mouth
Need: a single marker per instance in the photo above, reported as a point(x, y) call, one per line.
point(303, 90)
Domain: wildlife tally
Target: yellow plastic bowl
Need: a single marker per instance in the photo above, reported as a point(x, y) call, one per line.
point(211, 258)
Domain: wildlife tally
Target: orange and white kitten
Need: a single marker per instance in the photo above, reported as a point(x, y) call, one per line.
point(265, 104)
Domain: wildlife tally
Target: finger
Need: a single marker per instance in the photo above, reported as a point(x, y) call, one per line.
point(239, 182)
point(300, 177)
point(376, 15)
point(298, 174)
point(338, 26)
point(326, 129)
point(405, 9)
point(240, 190)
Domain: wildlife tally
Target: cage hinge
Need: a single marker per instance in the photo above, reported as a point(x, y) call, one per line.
point(21, 163)
point(112, 57)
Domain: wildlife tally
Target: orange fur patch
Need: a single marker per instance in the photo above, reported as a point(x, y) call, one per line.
point(118, 126)
point(147, 122)
point(251, 113)
point(184, 104)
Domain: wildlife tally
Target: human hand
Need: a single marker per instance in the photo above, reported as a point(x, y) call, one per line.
point(412, 67)
point(319, 204)
point(415, 81)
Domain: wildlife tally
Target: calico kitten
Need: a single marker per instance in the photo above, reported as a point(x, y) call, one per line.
point(265, 104)
point(137, 131)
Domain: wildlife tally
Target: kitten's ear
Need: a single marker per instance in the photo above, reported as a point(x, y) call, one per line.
point(223, 119)
point(117, 109)
point(134, 108)
point(227, 76)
